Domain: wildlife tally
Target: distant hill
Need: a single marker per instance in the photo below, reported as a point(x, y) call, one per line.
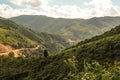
point(2, 18)
point(10, 36)
point(112, 32)
point(79, 29)
point(95, 59)
point(19, 36)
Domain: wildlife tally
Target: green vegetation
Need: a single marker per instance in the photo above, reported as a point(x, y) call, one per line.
point(11, 54)
point(45, 53)
point(19, 36)
point(79, 29)
point(112, 32)
point(14, 39)
point(53, 42)
point(92, 60)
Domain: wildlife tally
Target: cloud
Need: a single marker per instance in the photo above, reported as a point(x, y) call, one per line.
point(92, 8)
point(30, 3)
point(99, 3)
point(100, 8)
point(66, 11)
point(6, 11)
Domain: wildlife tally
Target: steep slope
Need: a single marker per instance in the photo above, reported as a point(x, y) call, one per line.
point(112, 32)
point(2, 18)
point(18, 36)
point(94, 60)
point(79, 29)
point(54, 42)
point(5, 48)
point(14, 39)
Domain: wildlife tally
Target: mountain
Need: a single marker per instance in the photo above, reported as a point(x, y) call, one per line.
point(74, 29)
point(2, 18)
point(95, 59)
point(54, 42)
point(10, 36)
point(112, 32)
point(18, 36)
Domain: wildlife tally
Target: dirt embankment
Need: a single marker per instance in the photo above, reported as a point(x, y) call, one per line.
point(5, 50)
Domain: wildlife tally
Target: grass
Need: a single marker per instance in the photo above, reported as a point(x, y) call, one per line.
point(15, 39)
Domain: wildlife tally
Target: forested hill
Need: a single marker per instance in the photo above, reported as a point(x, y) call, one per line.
point(113, 31)
point(19, 36)
point(76, 29)
point(93, 60)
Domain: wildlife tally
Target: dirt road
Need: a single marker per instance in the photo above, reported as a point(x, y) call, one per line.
point(17, 52)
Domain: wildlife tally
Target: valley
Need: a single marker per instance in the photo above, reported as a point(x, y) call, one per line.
point(75, 29)
point(19, 36)
point(59, 39)
point(27, 54)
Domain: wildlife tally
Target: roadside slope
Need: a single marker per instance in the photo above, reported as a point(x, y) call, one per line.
point(94, 60)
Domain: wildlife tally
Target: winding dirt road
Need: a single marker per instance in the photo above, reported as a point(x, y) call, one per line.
point(17, 52)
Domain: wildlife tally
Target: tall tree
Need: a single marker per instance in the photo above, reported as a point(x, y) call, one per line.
point(45, 53)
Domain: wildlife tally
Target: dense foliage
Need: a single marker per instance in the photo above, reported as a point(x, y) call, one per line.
point(112, 32)
point(14, 39)
point(94, 60)
point(18, 37)
point(70, 28)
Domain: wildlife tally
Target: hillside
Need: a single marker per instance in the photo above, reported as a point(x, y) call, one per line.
point(112, 32)
point(75, 29)
point(54, 42)
point(19, 36)
point(14, 38)
point(93, 60)
point(2, 18)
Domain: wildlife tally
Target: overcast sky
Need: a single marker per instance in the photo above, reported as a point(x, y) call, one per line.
point(60, 8)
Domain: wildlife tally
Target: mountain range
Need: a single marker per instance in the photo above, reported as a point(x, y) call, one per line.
point(93, 59)
point(18, 36)
point(39, 48)
point(72, 29)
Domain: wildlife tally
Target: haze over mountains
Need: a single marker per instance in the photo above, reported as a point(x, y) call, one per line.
point(59, 39)
point(93, 59)
point(96, 58)
point(73, 29)
point(18, 36)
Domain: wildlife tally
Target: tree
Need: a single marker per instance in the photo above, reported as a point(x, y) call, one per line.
point(11, 54)
point(45, 53)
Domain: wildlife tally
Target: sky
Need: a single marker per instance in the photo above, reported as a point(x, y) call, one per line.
point(60, 8)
